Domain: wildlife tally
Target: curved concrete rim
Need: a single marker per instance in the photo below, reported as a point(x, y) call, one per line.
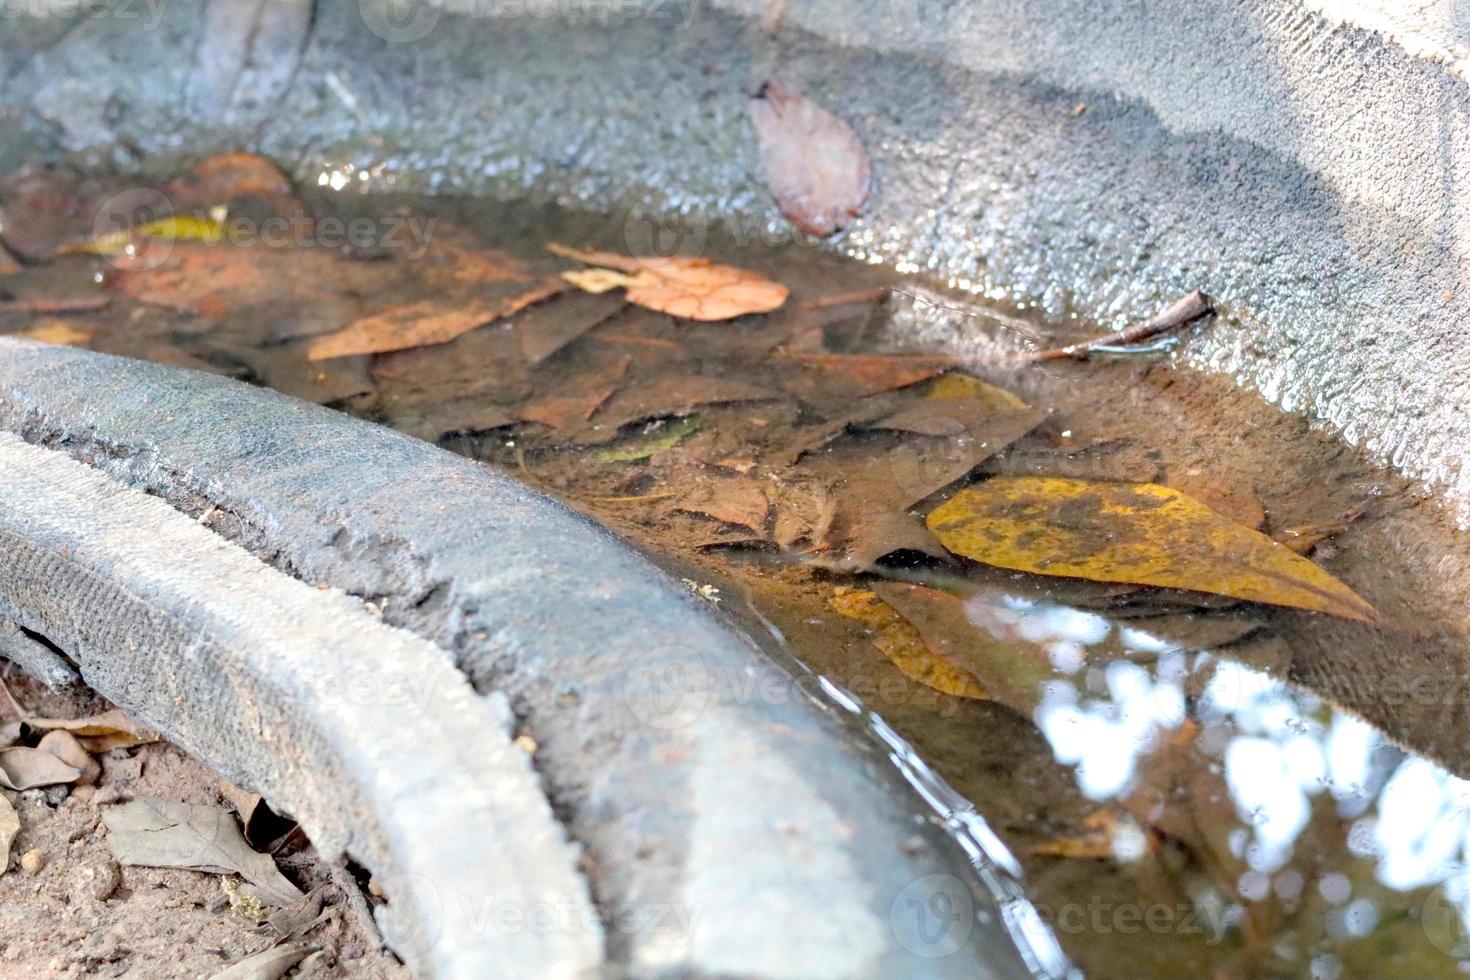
point(732, 822)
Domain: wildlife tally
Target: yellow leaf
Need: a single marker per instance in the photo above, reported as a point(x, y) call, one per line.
point(683, 286)
point(902, 644)
point(1139, 533)
point(183, 228)
point(961, 387)
point(597, 280)
point(59, 332)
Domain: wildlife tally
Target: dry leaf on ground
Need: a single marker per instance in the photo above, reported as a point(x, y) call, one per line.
point(682, 286)
point(435, 321)
point(901, 643)
point(268, 964)
point(27, 768)
point(156, 833)
point(9, 827)
point(1143, 533)
point(101, 732)
point(816, 167)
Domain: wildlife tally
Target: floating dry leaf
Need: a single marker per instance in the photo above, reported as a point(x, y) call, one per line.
point(435, 321)
point(901, 643)
point(816, 167)
point(683, 286)
point(1140, 533)
point(27, 768)
point(156, 833)
point(100, 732)
point(9, 827)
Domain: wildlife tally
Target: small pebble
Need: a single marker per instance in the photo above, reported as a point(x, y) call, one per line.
point(84, 794)
point(33, 860)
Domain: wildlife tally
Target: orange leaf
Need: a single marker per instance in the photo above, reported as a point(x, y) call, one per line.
point(424, 323)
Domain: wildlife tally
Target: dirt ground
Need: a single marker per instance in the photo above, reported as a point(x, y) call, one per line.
point(67, 909)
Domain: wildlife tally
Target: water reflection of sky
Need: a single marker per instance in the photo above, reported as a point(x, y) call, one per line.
point(1117, 691)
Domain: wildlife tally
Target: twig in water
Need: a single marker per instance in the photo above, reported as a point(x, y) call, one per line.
point(1182, 311)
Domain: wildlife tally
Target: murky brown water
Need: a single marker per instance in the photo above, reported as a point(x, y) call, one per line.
point(1170, 773)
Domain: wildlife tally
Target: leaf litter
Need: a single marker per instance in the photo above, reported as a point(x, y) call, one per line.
point(758, 417)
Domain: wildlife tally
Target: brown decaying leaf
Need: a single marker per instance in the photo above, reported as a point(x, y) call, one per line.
point(228, 177)
point(157, 833)
point(902, 644)
point(420, 324)
point(27, 768)
point(816, 167)
point(268, 964)
point(677, 394)
point(688, 287)
point(9, 828)
point(1240, 504)
point(112, 729)
point(563, 412)
point(733, 498)
point(544, 330)
point(1144, 534)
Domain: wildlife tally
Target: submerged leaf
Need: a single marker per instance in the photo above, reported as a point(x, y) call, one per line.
point(816, 167)
point(665, 436)
point(902, 644)
point(1139, 533)
point(424, 323)
point(182, 228)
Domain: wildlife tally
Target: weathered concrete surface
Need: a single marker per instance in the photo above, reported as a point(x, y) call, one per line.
point(734, 826)
point(1302, 160)
point(364, 733)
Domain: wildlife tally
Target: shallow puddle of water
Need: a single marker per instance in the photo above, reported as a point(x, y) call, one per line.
point(1176, 779)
